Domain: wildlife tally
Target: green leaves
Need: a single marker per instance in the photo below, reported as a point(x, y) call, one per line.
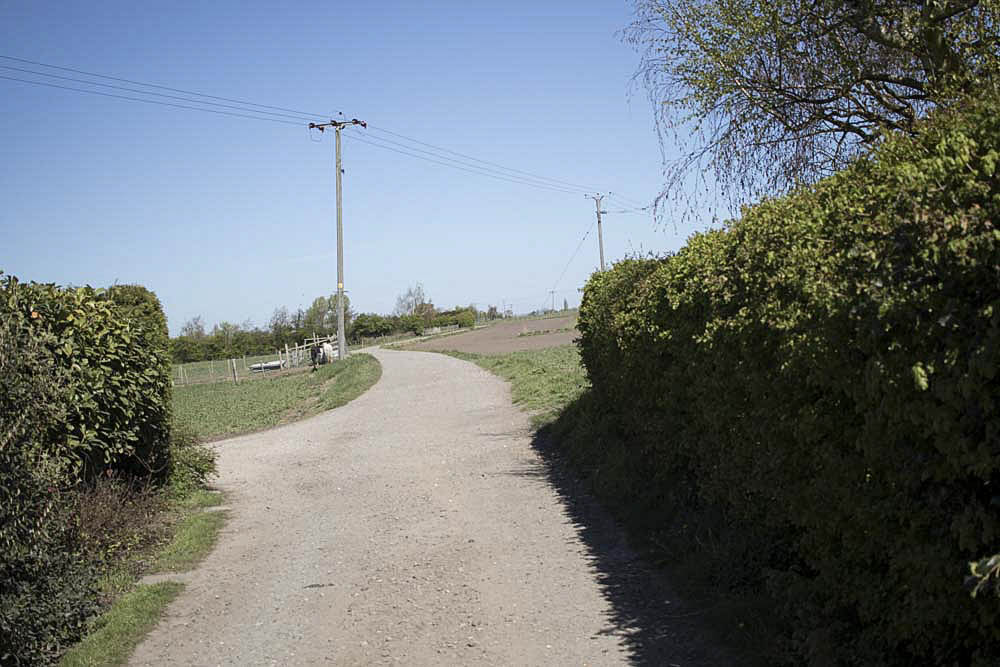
point(818, 383)
point(112, 360)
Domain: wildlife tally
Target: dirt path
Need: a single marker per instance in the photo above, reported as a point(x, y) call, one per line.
point(415, 525)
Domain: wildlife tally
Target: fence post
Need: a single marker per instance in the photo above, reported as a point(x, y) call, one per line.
point(232, 362)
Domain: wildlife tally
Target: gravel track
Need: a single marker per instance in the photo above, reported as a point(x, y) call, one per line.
point(416, 525)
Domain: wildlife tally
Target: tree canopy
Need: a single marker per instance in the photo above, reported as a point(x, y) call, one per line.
point(760, 95)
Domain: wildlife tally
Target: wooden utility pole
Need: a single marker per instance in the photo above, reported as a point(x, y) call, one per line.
point(600, 236)
point(341, 334)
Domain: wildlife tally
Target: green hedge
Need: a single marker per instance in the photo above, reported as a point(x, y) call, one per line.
point(84, 389)
point(47, 589)
point(115, 364)
point(820, 381)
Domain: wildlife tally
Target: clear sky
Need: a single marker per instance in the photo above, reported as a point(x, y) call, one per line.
point(229, 218)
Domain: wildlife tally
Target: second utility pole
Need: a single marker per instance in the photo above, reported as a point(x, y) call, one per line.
point(341, 334)
point(600, 236)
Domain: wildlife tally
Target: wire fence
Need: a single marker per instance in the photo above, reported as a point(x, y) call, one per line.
point(292, 359)
point(280, 362)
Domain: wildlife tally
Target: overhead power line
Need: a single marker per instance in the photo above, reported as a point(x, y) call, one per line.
point(573, 256)
point(275, 113)
point(445, 161)
point(475, 159)
point(628, 201)
point(159, 102)
point(457, 165)
point(154, 85)
point(164, 95)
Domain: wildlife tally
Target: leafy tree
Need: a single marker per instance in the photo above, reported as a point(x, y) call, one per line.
point(194, 328)
point(370, 325)
point(321, 316)
point(224, 333)
point(280, 326)
point(778, 92)
point(185, 348)
point(412, 302)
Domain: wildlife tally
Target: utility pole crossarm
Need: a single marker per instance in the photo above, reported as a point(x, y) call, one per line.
point(338, 124)
point(341, 333)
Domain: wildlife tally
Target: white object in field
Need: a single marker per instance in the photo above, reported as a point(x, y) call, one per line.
point(267, 366)
point(328, 352)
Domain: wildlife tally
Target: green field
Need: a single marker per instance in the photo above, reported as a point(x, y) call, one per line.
point(217, 370)
point(220, 409)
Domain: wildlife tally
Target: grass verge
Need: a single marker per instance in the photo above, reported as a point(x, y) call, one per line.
point(196, 535)
point(223, 409)
point(135, 609)
point(123, 627)
point(543, 382)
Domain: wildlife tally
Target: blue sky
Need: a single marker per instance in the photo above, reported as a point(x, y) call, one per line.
point(229, 218)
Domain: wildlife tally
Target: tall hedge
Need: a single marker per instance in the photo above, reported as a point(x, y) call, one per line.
point(48, 591)
point(821, 381)
point(112, 351)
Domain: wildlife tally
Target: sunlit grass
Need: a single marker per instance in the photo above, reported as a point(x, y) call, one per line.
point(543, 382)
point(222, 409)
point(123, 627)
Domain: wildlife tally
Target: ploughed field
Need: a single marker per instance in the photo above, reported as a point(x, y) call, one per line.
point(507, 336)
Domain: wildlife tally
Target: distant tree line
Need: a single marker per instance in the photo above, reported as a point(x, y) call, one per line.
point(414, 313)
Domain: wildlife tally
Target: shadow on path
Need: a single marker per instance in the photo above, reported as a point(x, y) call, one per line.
point(656, 626)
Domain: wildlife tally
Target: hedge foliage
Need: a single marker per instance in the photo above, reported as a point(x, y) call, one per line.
point(47, 590)
point(84, 390)
point(820, 381)
point(110, 349)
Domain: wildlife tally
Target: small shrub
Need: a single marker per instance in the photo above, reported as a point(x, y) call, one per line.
point(119, 518)
point(192, 465)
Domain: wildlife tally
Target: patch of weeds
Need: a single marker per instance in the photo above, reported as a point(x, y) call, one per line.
point(121, 521)
point(543, 332)
point(121, 629)
point(193, 540)
point(200, 499)
point(192, 465)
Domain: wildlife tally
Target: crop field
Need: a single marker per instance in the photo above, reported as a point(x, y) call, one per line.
point(220, 409)
point(507, 336)
point(217, 370)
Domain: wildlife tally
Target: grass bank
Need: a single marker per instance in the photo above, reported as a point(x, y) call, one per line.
point(120, 630)
point(176, 533)
point(543, 382)
point(224, 409)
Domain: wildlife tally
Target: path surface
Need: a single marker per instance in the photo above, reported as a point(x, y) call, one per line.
point(415, 525)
